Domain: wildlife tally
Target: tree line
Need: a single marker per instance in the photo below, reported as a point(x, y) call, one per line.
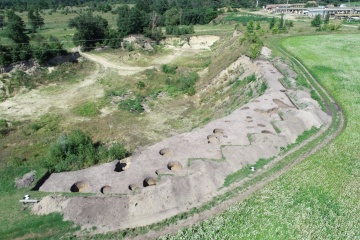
point(103, 5)
point(42, 49)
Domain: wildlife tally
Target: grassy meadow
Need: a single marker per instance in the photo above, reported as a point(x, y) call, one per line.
point(319, 198)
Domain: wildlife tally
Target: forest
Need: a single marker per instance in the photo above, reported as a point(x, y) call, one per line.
point(146, 17)
point(24, 5)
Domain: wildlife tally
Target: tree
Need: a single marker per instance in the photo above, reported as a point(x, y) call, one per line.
point(15, 28)
point(258, 27)
point(250, 27)
point(316, 22)
point(32, 20)
point(172, 17)
point(39, 19)
point(89, 30)
point(272, 23)
point(281, 23)
point(327, 19)
point(2, 21)
point(124, 21)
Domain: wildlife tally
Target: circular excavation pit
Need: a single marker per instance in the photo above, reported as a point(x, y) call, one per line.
point(166, 152)
point(106, 189)
point(133, 187)
point(122, 165)
point(149, 182)
point(213, 139)
point(174, 166)
point(80, 186)
point(218, 131)
point(161, 171)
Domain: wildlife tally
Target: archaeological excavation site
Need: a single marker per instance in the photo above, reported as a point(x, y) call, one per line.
point(187, 170)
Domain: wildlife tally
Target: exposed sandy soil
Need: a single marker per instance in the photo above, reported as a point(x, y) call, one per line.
point(53, 98)
point(207, 155)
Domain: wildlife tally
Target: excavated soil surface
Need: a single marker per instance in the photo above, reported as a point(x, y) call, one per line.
point(150, 190)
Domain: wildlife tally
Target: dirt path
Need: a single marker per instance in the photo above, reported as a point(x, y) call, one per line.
point(123, 69)
point(226, 204)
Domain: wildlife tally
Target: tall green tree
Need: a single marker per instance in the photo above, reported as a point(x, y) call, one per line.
point(272, 23)
point(172, 17)
point(2, 21)
point(90, 30)
point(282, 23)
point(32, 20)
point(124, 20)
point(327, 19)
point(316, 22)
point(15, 29)
point(39, 19)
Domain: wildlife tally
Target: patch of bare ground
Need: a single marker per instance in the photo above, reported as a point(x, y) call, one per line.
point(200, 161)
point(54, 98)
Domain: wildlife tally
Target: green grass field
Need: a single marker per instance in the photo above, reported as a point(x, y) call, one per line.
point(318, 199)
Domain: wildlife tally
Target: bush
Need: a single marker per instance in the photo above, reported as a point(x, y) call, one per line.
point(315, 96)
point(187, 81)
point(129, 47)
point(316, 22)
point(132, 105)
point(184, 83)
point(76, 151)
point(72, 151)
point(263, 88)
point(117, 151)
point(251, 78)
point(169, 69)
point(140, 85)
point(4, 129)
point(253, 44)
point(176, 30)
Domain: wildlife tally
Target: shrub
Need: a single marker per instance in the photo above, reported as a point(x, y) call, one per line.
point(140, 85)
point(263, 88)
point(251, 78)
point(132, 105)
point(129, 47)
point(191, 91)
point(315, 96)
point(71, 151)
point(316, 22)
point(170, 69)
point(112, 93)
point(117, 151)
point(76, 150)
point(183, 84)
point(3, 127)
